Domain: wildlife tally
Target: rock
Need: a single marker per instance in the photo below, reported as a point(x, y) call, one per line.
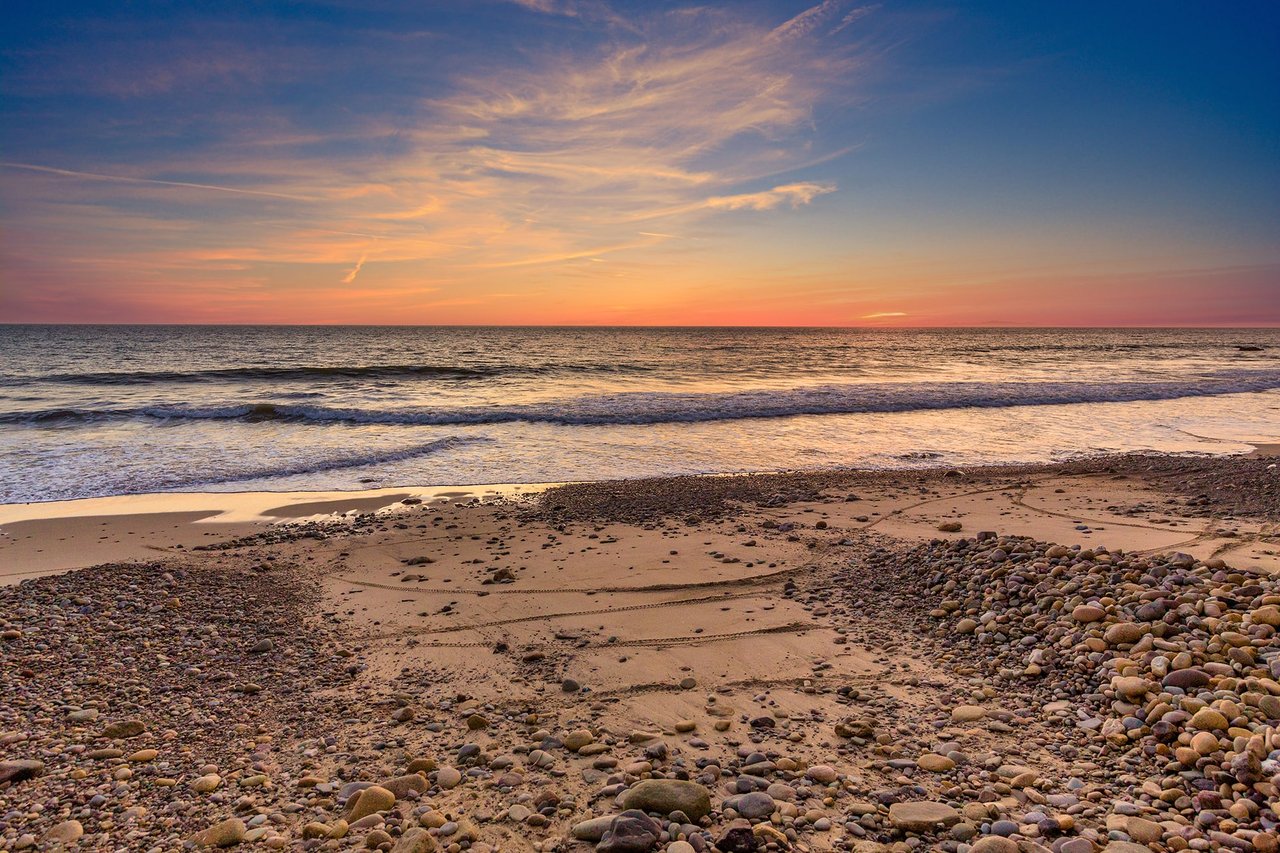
point(448, 777)
point(206, 784)
point(753, 806)
point(966, 626)
point(950, 527)
point(968, 713)
point(935, 763)
point(1131, 687)
point(225, 834)
point(476, 722)
point(1186, 679)
point(665, 796)
point(570, 686)
point(377, 838)
point(402, 786)
point(1209, 719)
point(1125, 633)
point(823, 774)
point(737, 838)
point(1143, 831)
point(1268, 615)
point(632, 831)
point(371, 800)
point(20, 770)
point(767, 834)
point(591, 830)
point(124, 729)
point(416, 840)
point(922, 816)
point(1088, 613)
point(67, 832)
point(262, 646)
point(577, 739)
point(994, 844)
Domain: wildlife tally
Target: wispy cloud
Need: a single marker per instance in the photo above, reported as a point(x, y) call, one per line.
point(355, 271)
point(792, 194)
point(882, 314)
point(93, 176)
point(670, 118)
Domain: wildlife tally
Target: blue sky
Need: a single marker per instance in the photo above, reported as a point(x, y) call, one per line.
point(925, 163)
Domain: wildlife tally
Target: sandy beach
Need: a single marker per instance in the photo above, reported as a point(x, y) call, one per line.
point(1065, 657)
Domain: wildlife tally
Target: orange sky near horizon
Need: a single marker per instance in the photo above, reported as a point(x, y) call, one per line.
point(618, 163)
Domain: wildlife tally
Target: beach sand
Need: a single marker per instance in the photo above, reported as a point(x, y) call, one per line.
point(814, 652)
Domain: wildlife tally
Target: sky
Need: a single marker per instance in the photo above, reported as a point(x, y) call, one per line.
point(914, 163)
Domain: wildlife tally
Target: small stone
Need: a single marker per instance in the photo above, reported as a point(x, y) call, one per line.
point(369, 801)
point(577, 739)
point(1209, 719)
point(1125, 633)
point(67, 832)
point(922, 816)
point(994, 844)
point(1088, 613)
point(935, 763)
point(124, 729)
point(206, 784)
point(968, 713)
point(225, 834)
point(416, 840)
point(633, 831)
point(448, 777)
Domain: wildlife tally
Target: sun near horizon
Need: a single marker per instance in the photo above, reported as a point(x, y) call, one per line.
point(580, 162)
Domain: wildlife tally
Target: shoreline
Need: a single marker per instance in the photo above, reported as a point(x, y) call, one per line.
point(817, 661)
point(52, 536)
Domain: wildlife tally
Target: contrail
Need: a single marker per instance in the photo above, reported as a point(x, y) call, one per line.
point(94, 176)
point(355, 271)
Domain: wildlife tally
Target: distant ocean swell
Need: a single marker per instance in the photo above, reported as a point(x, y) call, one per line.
point(268, 374)
point(665, 407)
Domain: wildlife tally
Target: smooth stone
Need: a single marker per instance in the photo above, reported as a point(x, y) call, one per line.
point(922, 816)
point(665, 796)
point(371, 800)
point(753, 806)
point(225, 834)
point(633, 831)
point(67, 832)
point(448, 777)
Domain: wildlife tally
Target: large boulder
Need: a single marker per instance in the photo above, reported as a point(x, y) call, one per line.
point(664, 796)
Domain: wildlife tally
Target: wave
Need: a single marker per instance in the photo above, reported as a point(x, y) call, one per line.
point(667, 407)
point(302, 373)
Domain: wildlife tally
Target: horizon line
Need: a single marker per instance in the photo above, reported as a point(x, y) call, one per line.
point(992, 327)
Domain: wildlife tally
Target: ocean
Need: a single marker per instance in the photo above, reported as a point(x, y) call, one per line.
point(104, 410)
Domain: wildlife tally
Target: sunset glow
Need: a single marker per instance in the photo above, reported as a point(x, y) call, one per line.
point(565, 162)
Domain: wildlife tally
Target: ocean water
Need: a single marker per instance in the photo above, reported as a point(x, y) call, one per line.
point(100, 410)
